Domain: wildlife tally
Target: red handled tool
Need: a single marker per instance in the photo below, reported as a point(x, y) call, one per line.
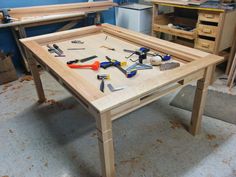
point(95, 66)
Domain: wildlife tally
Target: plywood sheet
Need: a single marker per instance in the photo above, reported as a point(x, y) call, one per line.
point(92, 45)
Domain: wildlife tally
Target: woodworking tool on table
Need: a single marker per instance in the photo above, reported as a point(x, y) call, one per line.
point(107, 64)
point(114, 89)
point(142, 54)
point(165, 57)
point(57, 48)
point(72, 62)
point(82, 60)
point(6, 16)
point(103, 77)
point(109, 48)
point(88, 58)
point(168, 66)
point(94, 66)
point(77, 42)
point(139, 66)
point(54, 50)
point(117, 64)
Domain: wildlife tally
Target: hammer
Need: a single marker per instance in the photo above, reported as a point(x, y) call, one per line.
point(95, 66)
point(103, 77)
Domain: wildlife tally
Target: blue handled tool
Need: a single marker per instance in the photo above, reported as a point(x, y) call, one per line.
point(141, 52)
point(102, 77)
point(118, 65)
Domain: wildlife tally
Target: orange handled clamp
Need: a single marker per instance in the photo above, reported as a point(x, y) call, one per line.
point(95, 66)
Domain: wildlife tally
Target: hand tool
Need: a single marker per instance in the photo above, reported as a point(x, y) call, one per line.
point(95, 66)
point(112, 89)
point(52, 49)
point(164, 57)
point(107, 64)
point(103, 77)
point(106, 38)
point(133, 51)
point(116, 63)
point(142, 54)
point(76, 49)
point(77, 42)
point(81, 60)
point(57, 48)
point(72, 62)
point(88, 58)
point(6, 16)
point(109, 48)
point(168, 66)
point(59, 56)
point(139, 66)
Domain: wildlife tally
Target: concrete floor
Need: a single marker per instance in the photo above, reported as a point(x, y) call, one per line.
point(58, 139)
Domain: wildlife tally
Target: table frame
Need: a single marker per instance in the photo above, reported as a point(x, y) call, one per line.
point(108, 107)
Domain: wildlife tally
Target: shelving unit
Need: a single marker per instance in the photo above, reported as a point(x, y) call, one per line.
point(213, 28)
point(162, 21)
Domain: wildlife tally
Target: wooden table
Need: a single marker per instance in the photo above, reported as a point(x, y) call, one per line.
point(27, 17)
point(146, 87)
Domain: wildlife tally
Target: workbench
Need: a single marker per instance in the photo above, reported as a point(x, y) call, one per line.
point(140, 90)
point(26, 17)
point(213, 28)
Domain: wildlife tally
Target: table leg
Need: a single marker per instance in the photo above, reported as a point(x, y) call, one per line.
point(37, 81)
point(199, 101)
point(213, 76)
point(22, 52)
point(33, 68)
point(105, 142)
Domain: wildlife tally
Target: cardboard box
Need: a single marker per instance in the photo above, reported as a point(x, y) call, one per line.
point(7, 69)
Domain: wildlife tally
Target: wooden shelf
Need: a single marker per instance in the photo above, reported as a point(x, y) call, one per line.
point(161, 25)
point(176, 32)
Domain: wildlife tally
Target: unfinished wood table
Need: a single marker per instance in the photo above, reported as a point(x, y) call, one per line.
point(146, 87)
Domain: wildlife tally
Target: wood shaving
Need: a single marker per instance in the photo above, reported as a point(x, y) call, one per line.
point(26, 78)
point(211, 137)
point(175, 124)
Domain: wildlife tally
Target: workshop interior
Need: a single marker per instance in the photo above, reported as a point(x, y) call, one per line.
point(123, 88)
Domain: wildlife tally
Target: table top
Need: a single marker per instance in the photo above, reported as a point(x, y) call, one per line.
point(84, 81)
point(37, 14)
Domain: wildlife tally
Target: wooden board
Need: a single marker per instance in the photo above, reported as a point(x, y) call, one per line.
point(146, 87)
point(35, 14)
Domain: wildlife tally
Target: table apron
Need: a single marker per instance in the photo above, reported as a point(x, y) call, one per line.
point(145, 99)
